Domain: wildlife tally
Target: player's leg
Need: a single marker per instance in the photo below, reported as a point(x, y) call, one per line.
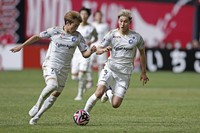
point(74, 68)
point(82, 78)
point(105, 78)
point(94, 98)
point(89, 79)
point(101, 59)
point(107, 95)
point(45, 106)
point(51, 84)
point(121, 86)
point(81, 85)
point(61, 76)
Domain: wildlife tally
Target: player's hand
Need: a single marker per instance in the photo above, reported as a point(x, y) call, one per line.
point(108, 48)
point(16, 49)
point(93, 49)
point(144, 78)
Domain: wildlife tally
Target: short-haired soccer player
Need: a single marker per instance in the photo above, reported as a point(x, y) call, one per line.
point(57, 64)
point(122, 44)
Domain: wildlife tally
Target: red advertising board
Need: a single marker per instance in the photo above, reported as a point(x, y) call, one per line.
point(157, 22)
point(33, 56)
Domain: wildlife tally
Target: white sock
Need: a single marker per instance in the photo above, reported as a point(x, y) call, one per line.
point(51, 85)
point(81, 84)
point(110, 95)
point(89, 76)
point(90, 103)
point(43, 95)
point(46, 105)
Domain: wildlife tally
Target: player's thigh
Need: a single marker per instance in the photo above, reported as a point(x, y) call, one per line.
point(62, 78)
point(116, 101)
point(49, 73)
point(75, 66)
point(84, 65)
point(122, 82)
point(105, 78)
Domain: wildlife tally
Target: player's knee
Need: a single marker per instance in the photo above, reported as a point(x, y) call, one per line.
point(74, 77)
point(116, 105)
point(81, 75)
point(100, 91)
point(55, 93)
point(52, 83)
point(116, 102)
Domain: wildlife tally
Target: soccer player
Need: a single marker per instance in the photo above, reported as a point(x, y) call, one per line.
point(80, 66)
point(102, 28)
point(57, 64)
point(122, 44)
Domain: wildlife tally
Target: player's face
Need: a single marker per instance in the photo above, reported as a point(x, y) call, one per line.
point(124, 23)
point(98, 17)
point(84, 15)
point(72, 27)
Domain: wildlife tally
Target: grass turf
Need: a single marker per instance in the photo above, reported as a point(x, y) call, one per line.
point(168, 103)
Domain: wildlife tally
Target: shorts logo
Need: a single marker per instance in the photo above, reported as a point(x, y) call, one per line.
point(73, 39)
point(130, 41)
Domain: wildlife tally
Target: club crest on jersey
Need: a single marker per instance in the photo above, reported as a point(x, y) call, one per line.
point(73, 39)
point(130, 41)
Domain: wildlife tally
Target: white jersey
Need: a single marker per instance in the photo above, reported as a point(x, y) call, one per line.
point(87, 32)
point(123, 50)
point(101, 28)
point(62, 47)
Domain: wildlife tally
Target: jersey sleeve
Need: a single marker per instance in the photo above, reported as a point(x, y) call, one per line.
point(82, 45)
point(47, 33)
point(140, 44)
point(106, 40)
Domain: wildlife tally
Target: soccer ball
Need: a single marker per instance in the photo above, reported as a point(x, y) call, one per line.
point(81, 117)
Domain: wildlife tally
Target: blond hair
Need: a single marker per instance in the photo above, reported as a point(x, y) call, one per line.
point(72, 16)
point(126, 13)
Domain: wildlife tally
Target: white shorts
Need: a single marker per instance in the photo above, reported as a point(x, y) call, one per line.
point(59, 75)
point(101, 59)
point(119, 82)
point(79, 64)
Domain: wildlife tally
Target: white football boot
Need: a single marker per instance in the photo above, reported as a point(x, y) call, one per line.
point(104, 98)
point(33, 121)
point(89, 84)
point(78, 98)
point(33, 111)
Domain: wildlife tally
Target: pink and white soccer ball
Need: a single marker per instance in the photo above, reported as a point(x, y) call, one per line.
point(81, 117)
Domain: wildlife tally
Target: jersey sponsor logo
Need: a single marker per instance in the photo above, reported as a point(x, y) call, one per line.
point(116, 36)
point(122, 48)
point(63, 45)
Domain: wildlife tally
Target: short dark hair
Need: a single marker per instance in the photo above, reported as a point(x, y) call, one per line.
point(88, 10)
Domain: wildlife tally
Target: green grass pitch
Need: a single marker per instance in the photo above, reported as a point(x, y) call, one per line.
point(169, 103)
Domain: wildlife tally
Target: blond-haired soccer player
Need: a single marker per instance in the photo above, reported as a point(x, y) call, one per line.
point(122, 44)
point(57, 64)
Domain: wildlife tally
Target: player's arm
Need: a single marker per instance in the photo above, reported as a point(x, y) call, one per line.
point(101, 50)
point(88, 52)
point(31, 40)
point(143, 76)
point(95, 37)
